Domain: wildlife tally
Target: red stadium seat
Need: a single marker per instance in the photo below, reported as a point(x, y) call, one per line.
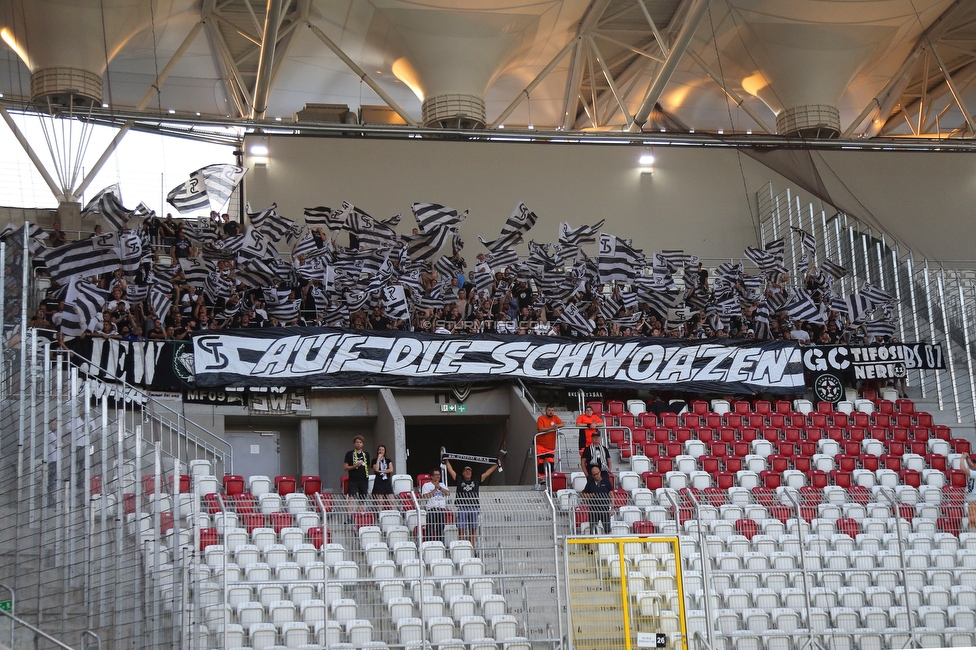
point(772, 435)
point(626, 420)
point(811, 495)
point(129, 503)
point(662, 434)
point(825, 407)
point(904, 420)
point(920, 448)
point(280, 520)
point(581, 515)
point(597, 407)
point(796, 419)
point(817, 479)
point(780, 511)
point(911, 477)
point(818, 420)
point(706, 434)
point(847, 526)
point(675, 449)
point(233, 484)
point(859, 494)
point(802, 463)
point(856, 434)
point(948, 525)
point(904, 406)
point(869, 393)
point(421, 479)
point(785, 448)
point(366, 518)
point(669, 420)
point(344, 484)
point(700, 407)
point(733, 420)
point(792, 434)
point(691, 420)
point(682, 434)
point(652, 480)
point(748, 434)
point(777, 464)
point(953, 495)
point(732, 464)
point(923, 434)
point(619, 498)
point(747, 528)
point(725, 480)
point(906, 511)
point(808, 513)
point(845, 463)
point(770, 478)
point(285, 484)
point(615, 437)
point(861, 419)
point(852, 448)
point(742, 407)
point(777, 420)
point(317, 536)
point(715, 496)
point(709, 464)
point(642, 528)
point(714, 420)
point(836, 434)
point(840, 478)
point(245, 503)
point(652, 449)
point(664, 464)
point(959, 446)
point(923, 419)
point(882, 419)
point(896, 448)
point(782, 406)
point(878, 433)
point(615, 408)
point(885, 406)
point(638, 435)
point(685, 496)
point(869, 462)
point(957, 477)
point(684, 514)
point(208, 537)
point(763, 495)
point(808, 448)
point(210, 502)
point(890, 461)
point(311, 484)
point(253, 520)
point(719, 448)
point(763, 407)
point(648, 420)
point(740, 449)
point(756, 420)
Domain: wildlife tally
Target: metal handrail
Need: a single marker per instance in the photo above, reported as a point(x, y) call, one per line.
point(904, 569)
point(709, 642)
point(37, 631)
point(811, 640)
point(525, 393)
point(181, 420)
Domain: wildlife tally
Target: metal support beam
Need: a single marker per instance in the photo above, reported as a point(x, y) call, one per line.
point(571, 99)
point(610, 81)
point(262, 85)
point(886, 99)
point(663, 76)
point(535, 82)
point(657, 34)
point(55, 190)
point(734, 96)
point(163, 74)
point(956, 95)
point(362, 75)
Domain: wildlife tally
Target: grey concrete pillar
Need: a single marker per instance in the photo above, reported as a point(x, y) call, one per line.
point(309, 447)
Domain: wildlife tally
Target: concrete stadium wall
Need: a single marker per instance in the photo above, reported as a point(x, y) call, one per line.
point(701, 200)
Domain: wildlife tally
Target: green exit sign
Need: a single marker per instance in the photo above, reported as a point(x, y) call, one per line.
point(6, 605)
point(453, 408)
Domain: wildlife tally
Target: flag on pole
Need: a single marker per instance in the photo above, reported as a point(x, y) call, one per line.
point(431, 216)
point(518, 223)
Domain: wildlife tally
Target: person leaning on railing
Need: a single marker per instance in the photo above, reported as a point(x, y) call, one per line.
point(545, 441)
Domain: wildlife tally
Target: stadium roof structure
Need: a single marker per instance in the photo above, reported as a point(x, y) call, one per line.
point(810, 69)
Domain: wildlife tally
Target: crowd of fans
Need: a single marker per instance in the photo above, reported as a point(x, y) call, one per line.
point(512, 305)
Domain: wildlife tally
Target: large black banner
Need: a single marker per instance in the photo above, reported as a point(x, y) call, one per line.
point(330, 357)
point(155, 365)
point(873, 361)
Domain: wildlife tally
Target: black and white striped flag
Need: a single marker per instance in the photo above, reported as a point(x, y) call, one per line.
point(500, 259)
point(255, 245)
point(575, 237)
point(802, 308)
point(395, 302)
point(195, 271)
point(776, 249)
point(424, 246)
point(323, 217)
point(108, 203)
point(880, 327)
point(431, 216)
point(446, 267)
point(71, 324)
point(257, 273)
point(202, 229)
point(576, 319)
point(834, 270)
point(216, 286)
point(808, 241)
point(519, 222)
point(355, 300)
point(285, 312)
point(189, 196)
point(876, 295)
point(92, 256)
point(763, 260)
point(858, 306)
point(136, 292)
point(87, 299)
point(619, 262)
point(370, 232)
point(220, 181)
point(271, 224)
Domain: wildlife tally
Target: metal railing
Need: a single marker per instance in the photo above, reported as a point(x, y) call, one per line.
point(934, 301)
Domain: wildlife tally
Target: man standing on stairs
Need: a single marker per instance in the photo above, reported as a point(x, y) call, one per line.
point(545, 442)
point(467, 499)
point(597, 496)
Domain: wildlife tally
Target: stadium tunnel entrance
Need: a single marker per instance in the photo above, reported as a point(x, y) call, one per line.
point(471, 435)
